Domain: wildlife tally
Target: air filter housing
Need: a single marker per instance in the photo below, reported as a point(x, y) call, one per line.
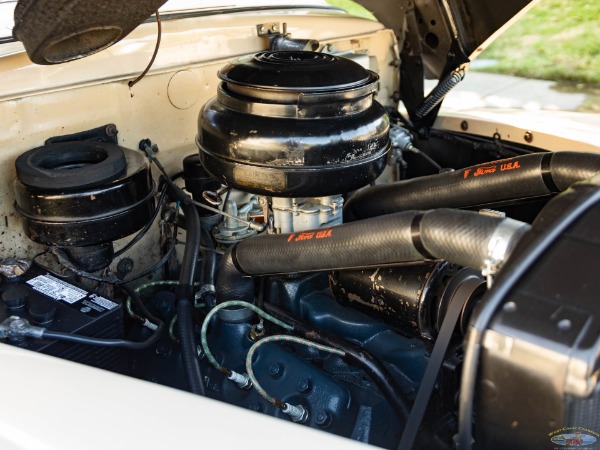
point(82, 196)
point(294, 124)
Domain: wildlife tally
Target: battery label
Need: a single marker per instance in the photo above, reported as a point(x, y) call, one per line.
point(101, 301)
point(57, 289)
point(88, 303)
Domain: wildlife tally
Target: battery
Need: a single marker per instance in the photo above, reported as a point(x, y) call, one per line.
point(58, 304)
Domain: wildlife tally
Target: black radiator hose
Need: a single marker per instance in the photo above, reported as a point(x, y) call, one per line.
point(184, 292)
point(230, 286)
point(532, 175)
point(462, 237)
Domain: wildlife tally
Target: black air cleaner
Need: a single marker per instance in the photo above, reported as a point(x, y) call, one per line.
point(294, 124)
point(81, 196)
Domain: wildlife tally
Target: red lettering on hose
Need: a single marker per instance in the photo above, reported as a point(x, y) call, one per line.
point(484, 170)
point(510, 166)
point(308, 235)
point(305, 236)
point(324, 234)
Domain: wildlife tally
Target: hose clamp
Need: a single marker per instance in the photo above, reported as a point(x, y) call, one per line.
point(206, 289)
point(500, 245)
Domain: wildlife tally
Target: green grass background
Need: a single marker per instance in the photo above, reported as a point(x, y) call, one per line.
point(556, 40)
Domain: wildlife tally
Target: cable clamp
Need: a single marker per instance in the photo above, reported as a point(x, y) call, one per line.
point(17, 329)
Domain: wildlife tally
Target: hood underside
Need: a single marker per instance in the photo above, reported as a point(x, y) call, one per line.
point(445, 33)
point(441, 34)
point(435, 37)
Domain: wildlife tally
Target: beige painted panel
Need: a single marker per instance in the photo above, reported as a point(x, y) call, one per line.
point(67, 406)
point(548, 130)
point(44, 101)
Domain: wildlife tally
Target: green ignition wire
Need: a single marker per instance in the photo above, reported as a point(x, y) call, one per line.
point(242, 380)
point(297, 413)
point(145, 286)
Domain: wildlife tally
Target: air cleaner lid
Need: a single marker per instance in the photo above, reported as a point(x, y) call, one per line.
point(296, 71)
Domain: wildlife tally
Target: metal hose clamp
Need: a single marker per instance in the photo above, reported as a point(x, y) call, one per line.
point(500, 245)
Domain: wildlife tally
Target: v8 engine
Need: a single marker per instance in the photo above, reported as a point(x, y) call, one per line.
point(341, 268)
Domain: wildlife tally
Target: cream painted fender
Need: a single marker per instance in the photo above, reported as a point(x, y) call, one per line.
point(53, 404)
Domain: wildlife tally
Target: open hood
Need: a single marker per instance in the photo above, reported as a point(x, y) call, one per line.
point(436, 37)
point(446, 32)
point(440, 33)
point(57, 31)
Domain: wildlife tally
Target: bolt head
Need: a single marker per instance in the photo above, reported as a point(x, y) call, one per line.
point(323, 418)
point(305, 386)
point(564, 325)
point(275, 370)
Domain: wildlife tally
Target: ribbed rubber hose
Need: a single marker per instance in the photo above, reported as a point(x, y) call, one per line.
point(230, 286)
point(526, 176)
point(461, 237)
point(184, 292)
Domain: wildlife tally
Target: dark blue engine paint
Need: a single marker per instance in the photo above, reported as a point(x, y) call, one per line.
point(339, 398)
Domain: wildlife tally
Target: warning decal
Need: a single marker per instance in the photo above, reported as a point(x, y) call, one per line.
point(57, 289)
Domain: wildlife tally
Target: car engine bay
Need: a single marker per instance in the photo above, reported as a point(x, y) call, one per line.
point(319, 256)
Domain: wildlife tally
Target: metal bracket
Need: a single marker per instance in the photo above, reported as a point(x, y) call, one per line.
point(267, 29)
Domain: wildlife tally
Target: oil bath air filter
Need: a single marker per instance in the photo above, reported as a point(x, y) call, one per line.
point(294, 124)
point(81, 196)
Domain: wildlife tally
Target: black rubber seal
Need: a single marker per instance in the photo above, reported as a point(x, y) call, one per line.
point(70, 165)
point(415, 234)
point(547, 173)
